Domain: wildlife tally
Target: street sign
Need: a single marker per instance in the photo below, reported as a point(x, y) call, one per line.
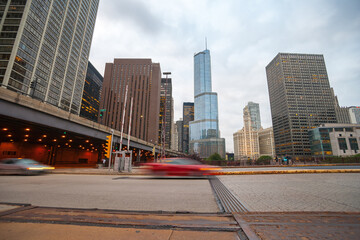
point(102, 110)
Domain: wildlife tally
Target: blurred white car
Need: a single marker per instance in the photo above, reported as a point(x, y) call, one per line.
point(23, 166)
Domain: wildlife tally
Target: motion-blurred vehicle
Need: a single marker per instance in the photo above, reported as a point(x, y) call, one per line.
point(23, 166)
point(180, 167)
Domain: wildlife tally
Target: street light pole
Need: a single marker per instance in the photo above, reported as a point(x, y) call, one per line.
point(123, 118)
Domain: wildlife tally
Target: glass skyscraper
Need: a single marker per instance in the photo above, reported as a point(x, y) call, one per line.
point(91, 96)
point(254, 114)
point(204, 130)
point(44, 49)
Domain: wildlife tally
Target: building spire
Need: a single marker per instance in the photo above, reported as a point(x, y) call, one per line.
point(205, 43)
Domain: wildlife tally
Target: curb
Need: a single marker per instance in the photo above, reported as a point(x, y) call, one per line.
point(289, 172)
point(294, 165)
point(97, 173)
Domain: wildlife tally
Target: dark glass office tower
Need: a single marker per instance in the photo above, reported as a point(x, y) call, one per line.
point(204, 130)
point(188, 116)
point(91, 96)
point(300, 99)
point(165, 111)
point(44, 48)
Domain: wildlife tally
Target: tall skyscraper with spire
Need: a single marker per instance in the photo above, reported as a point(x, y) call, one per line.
point(204, 130)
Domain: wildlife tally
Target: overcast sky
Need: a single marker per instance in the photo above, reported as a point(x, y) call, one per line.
point(242, 36)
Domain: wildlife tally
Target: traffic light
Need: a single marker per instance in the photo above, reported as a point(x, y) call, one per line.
point(108, 146)
point(32, 85)
point(101, 114)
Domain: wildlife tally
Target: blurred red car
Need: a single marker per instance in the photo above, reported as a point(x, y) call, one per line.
point(180, 167)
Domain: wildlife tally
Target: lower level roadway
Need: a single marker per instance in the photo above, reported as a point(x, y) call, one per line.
point(338, 192)
point(109, 192)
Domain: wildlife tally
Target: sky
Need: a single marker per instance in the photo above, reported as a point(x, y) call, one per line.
point(242, 36)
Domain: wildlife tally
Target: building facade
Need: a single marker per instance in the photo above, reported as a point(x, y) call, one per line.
point(142, 77)
point(174, 137)
point(166, 112)
point(91, 97)
point(45, 48)
point(179, 129)
point(253, 118)
point(188, 116)
point(266, 142)
point(354, 114)
point(204, 130)
point(246, 140)
point(300, 99)
point(342, 113)
point(335, 140)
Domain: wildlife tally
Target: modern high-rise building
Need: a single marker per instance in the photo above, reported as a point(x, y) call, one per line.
point(143, 78)
point(166, 111)
point(91, 96)
point(188, 116)
point(253, 117)
point(174, 137)
point(179, 127)
point(45, 48)
point(204, 130)
point(300, 99)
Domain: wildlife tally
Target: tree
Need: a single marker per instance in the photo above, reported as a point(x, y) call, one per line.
point(264, 160)
point(215, 157)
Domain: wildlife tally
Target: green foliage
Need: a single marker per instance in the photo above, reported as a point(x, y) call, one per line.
point(263, 160)
point(214, 157)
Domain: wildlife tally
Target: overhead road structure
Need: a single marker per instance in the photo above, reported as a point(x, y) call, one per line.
point(19, 112)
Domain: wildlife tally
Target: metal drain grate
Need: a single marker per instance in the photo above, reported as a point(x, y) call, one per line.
point(228, 202)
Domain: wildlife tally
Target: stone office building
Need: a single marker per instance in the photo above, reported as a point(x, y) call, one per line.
point(300, 99)
point(143, 79)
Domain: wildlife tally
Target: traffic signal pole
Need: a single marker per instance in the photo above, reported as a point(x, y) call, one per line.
point(111, 143)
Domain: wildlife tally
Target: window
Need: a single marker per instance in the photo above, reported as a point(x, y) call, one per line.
point(353, 144)
point(342, 144)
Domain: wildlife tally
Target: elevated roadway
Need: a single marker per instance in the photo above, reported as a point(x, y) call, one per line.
point(20, 111)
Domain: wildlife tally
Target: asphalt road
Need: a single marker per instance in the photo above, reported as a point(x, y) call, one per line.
point(283, 192)
point(109, 192)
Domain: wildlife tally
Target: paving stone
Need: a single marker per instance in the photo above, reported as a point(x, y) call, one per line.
point(297, 192)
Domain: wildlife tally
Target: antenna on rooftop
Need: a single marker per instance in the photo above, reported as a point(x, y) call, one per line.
point(205, 43)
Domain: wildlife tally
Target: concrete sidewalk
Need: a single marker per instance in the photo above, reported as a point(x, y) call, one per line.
point(43, 231)
point(39, 223)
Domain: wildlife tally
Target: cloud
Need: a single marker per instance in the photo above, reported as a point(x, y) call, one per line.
point(136, 14)
point(243, 37)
